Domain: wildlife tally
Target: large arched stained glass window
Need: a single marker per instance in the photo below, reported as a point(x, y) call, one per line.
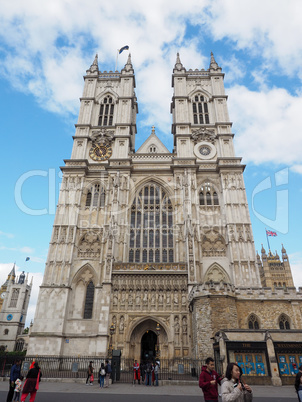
point(151, 233)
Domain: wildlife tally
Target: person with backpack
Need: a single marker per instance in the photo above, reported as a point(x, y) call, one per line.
point(102, 375)
point(108, 371)
point(148, 373)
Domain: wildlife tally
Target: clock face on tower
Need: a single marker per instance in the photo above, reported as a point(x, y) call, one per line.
point(100, 152)
point(3, 294)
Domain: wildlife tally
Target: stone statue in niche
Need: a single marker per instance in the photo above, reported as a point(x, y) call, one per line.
point(176, 325)
point(183, 298)
point(184, 325)
point(145, 297)
point(153, 298)
point(130, 298)
point(168, 298)
point(138, 298)
point(160, 298)
point(176, 297)
point(123, 299)
point(115, 299)
point(121, 324)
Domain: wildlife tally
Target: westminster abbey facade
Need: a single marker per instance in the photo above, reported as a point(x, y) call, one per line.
point(155, 246)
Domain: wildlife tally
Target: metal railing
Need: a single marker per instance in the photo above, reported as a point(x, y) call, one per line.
point(122, 369)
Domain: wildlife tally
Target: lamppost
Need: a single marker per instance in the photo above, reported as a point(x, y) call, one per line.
point(157, 341)
point(112, 331)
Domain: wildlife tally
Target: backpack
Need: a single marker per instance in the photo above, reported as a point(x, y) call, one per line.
point(109, 369)
point(148, 369)
point(103, 372)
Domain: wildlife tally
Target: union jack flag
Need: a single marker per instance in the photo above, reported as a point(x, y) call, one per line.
point(270, 233)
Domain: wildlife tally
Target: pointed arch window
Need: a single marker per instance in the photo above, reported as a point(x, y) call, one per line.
point(14, 298)
point(200, 110)
point(208, 195)
point(253, 322)
point(151, 219)
point(284, 322)
point(96, 196)
point(89, 301)
point(106, 112)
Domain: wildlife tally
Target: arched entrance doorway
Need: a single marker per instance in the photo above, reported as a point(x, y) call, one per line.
point(143, 339)
point(148, 344)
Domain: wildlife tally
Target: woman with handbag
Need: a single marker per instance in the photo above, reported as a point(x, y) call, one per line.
point(233, 389)
point(31, 384)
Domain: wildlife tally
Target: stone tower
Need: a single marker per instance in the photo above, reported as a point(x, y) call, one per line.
point(151, 243)
point(14, 309)
point(274, 272)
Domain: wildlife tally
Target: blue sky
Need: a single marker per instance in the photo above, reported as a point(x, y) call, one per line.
point(45, 50)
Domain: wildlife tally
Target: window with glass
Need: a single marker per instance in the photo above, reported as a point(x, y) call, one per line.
point(89, 300)
point(284, 322)
point(106, 112)
point(208, 195)
point(200, 110)
point(253, 322)
point(151, 220)
point(95, 196)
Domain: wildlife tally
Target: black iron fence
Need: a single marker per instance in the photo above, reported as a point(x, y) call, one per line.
point(122, 369)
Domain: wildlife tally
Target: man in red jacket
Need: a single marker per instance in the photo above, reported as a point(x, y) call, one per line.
point(208, 381)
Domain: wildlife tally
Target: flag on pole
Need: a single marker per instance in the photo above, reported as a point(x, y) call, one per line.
point(123, 48)
point(27, 258)
point(270, 233)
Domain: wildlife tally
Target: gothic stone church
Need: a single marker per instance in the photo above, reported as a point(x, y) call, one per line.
point(152, 237)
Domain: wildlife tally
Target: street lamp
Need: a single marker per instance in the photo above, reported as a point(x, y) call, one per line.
point(157, 341)
point(112, 331)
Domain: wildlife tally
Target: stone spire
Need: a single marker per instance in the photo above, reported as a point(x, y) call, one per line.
point(94, 68)
point(284, 254)
point(213, 64)
point(178, 64)
point(10, 276)
point(128, 65)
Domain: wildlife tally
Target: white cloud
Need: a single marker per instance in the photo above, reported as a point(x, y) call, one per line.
point(270, 121)
point(271, 29)
point(37, 281)
point(8, 235)
point(297, 169)
point(27, 250)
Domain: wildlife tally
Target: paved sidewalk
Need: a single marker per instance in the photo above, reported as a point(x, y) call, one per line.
point(129, 389)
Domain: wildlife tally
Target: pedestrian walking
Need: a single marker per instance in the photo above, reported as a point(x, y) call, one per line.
point(233, 389)
point(102, 375)
point(156, 370)
point(108, 370)
point(209, 380)
point(136, 372)
point(142, 367)
point(298, 385)
point(31, 384)
point(15, 373)
point(148, 372)
point(89, 380)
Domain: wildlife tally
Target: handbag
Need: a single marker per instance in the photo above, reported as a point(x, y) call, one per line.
point(91, 378)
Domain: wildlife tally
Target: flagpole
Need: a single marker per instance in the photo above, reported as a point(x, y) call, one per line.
point(269, 247)
point(116, 60)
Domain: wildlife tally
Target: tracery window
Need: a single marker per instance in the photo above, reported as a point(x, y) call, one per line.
point(151, 233)
point(14, 299)
point(19, 345)
point(200, 110)
point(207, 195)
point(284, 322)
point(95, 196)
point(253, 322)
point(89, 300)
point(106, 112)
